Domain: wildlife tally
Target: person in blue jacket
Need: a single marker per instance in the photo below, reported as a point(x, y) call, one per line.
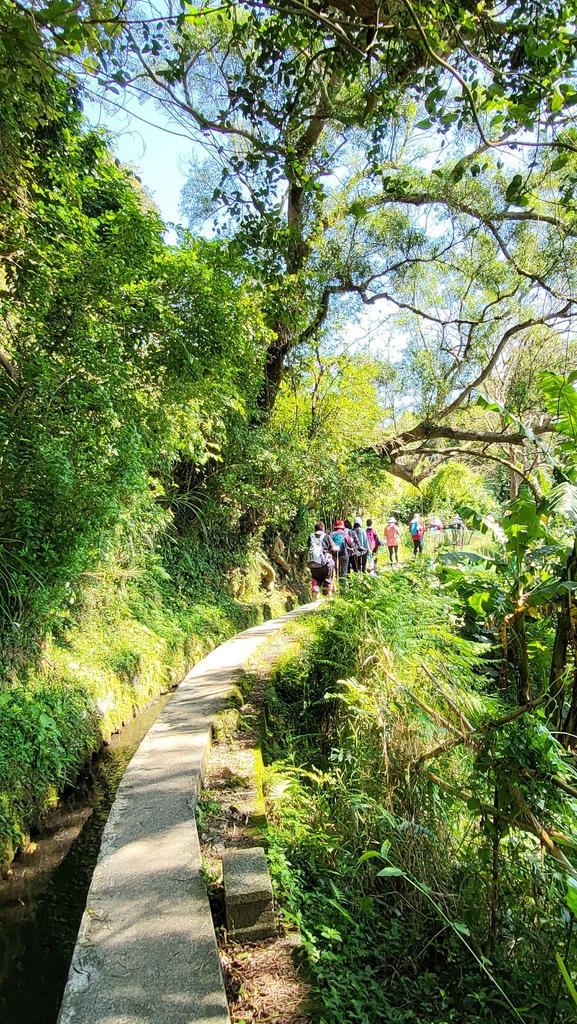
point(346, 548)
point(361, 541)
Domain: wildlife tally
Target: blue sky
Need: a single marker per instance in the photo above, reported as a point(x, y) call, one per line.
point(156, 152)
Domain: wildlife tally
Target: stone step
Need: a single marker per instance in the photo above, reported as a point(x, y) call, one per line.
point(248, 895)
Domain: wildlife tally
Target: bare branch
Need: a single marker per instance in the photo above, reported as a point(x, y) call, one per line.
point(510, 333)
point(8, 366)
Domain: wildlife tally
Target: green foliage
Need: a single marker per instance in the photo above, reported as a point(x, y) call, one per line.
point(46, 735)
point(363, 761)
point(535, 572)
point(112, 345)
point(71, 447)
point(131, 633)
point(457, 484)
point(487, 72)
point(141, 459)
point(340, 237)
point(204, 809)
point(561, 399)
point(304, 462)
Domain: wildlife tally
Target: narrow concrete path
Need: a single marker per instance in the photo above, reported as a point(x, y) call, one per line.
point(146, 951)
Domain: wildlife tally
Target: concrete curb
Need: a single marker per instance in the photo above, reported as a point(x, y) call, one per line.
point(146, 951)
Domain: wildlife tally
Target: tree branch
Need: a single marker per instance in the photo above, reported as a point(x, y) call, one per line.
point(449, 452)
point(8, 366)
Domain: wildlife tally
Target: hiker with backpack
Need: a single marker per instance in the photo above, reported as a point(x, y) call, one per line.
point(346, 548)
point(392, 537)
point(355, 554)
point(321, 562)
point(458, 524)
point(349, 530)
point(375, 543)
point(417, 531)
point(361, 543)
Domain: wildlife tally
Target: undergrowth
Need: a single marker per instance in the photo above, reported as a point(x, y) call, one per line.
point(128, 633)
point(417, 899)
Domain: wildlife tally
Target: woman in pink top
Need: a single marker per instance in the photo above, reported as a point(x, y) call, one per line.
point(392, 535)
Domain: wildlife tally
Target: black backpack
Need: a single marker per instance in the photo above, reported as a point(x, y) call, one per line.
point(359, 549)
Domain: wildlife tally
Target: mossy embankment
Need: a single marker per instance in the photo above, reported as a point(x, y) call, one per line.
point(126, 637)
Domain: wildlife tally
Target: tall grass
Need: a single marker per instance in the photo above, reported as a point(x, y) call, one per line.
point(406, 934)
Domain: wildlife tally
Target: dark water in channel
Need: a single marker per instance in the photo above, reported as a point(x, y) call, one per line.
point(42, 903)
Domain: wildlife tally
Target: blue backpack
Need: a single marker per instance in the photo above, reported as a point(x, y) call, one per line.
point(338, 538)
point(415, 528)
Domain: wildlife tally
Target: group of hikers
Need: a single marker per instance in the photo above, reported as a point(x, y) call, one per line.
point(354, 548)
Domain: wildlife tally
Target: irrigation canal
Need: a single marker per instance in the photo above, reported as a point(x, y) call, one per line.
point(42, 902)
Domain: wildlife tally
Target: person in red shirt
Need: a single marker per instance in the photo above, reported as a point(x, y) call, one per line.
point(392, 537)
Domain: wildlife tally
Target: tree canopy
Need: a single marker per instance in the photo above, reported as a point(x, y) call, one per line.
point(171, 415)
point(417, 160)
point(316, 121)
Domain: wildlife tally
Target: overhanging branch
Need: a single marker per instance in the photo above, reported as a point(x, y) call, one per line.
point(8, 366)
point(414, 472)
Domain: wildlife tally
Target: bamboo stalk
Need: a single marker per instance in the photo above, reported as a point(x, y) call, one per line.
point(435, 715)
point(539, 830)
point(564, 786)
point(529, 822)
point(515, 714)
point(442, 748)
point(465, 723)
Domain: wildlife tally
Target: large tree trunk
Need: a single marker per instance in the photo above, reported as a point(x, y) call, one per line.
point(297, 247)
point(569, 734)
point(285, 338)
point(276, 354)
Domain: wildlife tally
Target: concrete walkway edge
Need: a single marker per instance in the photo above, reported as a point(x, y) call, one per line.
point(146, 951)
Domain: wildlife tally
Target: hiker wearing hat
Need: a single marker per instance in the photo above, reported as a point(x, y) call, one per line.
point(345, 545)
point(375, 543)
point(392, 537)
point(361, 542)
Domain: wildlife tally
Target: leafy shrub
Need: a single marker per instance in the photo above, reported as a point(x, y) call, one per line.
point(351, 716)
point(46, 732)
point(130, 635)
